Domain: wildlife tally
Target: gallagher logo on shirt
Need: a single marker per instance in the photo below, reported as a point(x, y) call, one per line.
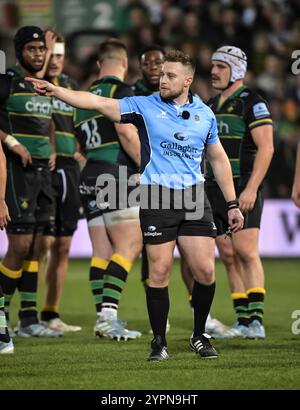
point(181, 136)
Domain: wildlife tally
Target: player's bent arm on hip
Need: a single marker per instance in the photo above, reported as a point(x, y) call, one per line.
point(222, 172)
point(263, 139)
point(4, 215)
point(130, 141)
point(14, 145)
point(80, 99)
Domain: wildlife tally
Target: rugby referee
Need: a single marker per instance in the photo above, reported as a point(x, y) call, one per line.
point(175, 129)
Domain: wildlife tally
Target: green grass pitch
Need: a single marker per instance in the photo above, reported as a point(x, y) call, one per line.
point(80, 361)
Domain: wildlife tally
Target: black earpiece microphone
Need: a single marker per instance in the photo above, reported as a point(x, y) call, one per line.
point(185, 115)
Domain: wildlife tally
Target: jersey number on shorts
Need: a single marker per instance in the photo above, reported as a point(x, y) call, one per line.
point(93, 138)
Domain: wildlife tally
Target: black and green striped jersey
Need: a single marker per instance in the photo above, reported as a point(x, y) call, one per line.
point(24, 114)
point(63, 114)
point(140, 88)
point(243, 111)
point(97, 134)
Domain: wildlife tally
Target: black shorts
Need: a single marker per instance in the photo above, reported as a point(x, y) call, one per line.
point(95, 204)
point(29, 197)
point(65, 183)
point(164, 225)
point(219, 208)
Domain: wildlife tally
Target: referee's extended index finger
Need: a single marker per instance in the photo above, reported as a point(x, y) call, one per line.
point(34, 80)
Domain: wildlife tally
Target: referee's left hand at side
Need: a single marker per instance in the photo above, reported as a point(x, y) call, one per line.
point(235, 220)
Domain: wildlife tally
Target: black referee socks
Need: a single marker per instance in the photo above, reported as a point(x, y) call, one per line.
point(202, 299)
point(158, 309)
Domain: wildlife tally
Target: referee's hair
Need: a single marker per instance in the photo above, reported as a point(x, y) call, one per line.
point(177, 56)
point(151, 47)
point(112, 48)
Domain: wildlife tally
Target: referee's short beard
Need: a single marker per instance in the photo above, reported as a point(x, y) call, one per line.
point(171, 95)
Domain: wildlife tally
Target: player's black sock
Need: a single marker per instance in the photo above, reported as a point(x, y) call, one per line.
point(9, 281)
point(28, 293)
point(202, 297)
point(256, 297)
point(4, 336)
point(49, 312)
point(145, 268)
point(114, 281)
point(97, 271)
point(158, 309)
point(240, 304)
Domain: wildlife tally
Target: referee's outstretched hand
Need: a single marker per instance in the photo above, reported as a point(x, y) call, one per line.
point(235, 220)
point(42, 87)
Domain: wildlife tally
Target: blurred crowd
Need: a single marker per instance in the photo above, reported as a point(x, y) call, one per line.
point(267, 30)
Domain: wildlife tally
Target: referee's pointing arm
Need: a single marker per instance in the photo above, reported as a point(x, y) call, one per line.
point(79, 99)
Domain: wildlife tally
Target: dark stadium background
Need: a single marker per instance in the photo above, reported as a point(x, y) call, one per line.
point(267, 30)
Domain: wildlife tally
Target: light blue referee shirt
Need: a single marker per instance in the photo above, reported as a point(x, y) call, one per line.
point(172, 148)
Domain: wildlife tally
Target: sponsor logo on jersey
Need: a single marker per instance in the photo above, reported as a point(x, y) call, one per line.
point(181, 136)
point(260, 110)
point(162, 115)
point(152, 231)
point(36, 107)
point(232, 106)
point(173, 149)
point(24, 203)
point(223, 127)
point(179, 147)
point(59, 105)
